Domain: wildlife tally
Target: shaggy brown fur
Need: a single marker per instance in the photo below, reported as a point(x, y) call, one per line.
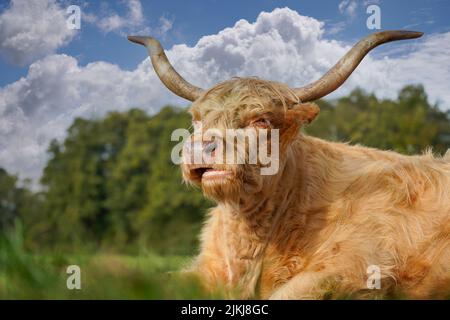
point(331, 211)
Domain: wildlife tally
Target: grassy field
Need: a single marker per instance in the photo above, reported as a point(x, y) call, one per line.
point(103, 276)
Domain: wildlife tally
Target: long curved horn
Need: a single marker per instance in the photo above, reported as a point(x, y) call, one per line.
point(337, 75)
point(165, 71)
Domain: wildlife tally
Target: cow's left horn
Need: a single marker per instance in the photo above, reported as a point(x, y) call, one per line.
point(337, 75)
point(165, 70)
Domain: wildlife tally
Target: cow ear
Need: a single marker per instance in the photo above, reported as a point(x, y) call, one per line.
point(295, 118)
point(303, 113)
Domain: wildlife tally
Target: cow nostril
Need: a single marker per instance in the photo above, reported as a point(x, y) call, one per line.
point(210, 147)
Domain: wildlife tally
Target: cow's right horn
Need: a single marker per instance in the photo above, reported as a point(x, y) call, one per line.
point(165, 70)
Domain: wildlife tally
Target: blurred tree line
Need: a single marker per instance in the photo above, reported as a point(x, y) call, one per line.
point(111, 184)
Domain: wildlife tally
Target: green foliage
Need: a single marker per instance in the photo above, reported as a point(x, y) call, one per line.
point(112, 185)
point(17, 203)
point(408, 125)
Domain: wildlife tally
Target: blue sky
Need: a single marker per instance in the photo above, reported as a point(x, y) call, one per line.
point(49, 74)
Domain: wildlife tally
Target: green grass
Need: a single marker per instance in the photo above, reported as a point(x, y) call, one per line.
point(24, 275)
point(103, 276)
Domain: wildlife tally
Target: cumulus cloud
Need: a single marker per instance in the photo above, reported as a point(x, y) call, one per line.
point(41, 106)
point(281, 45)
point(32, 29)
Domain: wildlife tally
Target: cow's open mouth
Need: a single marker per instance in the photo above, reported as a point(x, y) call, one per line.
point(203, 173)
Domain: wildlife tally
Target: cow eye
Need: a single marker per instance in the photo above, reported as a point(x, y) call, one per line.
point(261, 123)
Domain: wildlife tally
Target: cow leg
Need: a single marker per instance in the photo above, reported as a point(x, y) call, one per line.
point(304, 286)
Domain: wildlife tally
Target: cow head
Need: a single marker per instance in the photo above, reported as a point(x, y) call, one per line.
point(253, 106)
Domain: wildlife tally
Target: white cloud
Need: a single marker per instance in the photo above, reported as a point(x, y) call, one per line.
point(166, 24)
point(335, 27)
point(281, 45)
point(32, 29)
point(41, 106)
point(134, 18)
point(133, 21)
point(348, 7)
point(135, 14)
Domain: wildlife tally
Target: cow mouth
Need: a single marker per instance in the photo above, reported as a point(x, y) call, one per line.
point(209, 173)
